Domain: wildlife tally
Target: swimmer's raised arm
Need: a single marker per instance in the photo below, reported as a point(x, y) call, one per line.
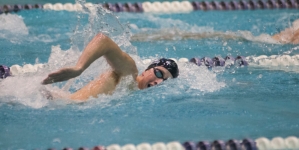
point(101, 45)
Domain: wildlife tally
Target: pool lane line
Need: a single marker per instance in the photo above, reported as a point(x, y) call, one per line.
point(205, 61)
point(163, 7)
point(262, 143)
point(217, 61)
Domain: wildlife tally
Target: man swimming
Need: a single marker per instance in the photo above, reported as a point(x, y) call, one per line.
point(289, 35)
point(121, 65)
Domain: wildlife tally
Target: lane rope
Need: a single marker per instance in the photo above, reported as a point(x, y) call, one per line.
point(163, 7)
point(262, 143)
point(217, 61)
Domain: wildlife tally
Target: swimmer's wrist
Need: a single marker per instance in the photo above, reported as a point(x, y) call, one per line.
point(79, 69)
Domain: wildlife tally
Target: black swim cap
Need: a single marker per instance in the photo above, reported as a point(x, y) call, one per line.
point(168, 64)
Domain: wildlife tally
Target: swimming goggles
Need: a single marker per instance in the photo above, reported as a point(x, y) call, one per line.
point(159, 74)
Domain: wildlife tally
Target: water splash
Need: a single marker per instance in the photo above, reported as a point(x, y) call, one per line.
point(13, 24)
point(104, 21)
point(12, 27)
point(22, 90)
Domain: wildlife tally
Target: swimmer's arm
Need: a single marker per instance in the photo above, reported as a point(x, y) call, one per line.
point(101, 45)
point(289, 35)
point(106, 84)
point(295, 38)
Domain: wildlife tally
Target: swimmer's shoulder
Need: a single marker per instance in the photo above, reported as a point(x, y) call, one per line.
point(128, 66)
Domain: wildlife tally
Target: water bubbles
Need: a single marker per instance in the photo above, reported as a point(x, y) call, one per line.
point(56, 140)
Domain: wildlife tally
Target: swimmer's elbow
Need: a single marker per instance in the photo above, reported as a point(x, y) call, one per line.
point(102, 37)
point(104, 41)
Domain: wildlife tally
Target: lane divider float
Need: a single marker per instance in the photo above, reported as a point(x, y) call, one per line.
point(262, 143)
point(217, 61)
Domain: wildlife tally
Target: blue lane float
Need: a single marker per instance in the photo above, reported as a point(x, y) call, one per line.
point(218, 145)
point(233, 144)
point(17, 8)
point(218, 61)
point(7, 9)
point(4, 71)
point(189, 146)
point(249, 144)
point(203, 145)
point(241, 61)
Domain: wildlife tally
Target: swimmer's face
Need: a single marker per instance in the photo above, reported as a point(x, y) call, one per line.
point(152, 77)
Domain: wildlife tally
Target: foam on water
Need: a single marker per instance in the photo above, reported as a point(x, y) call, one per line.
point(14, 29)
point(287, 63)
point(23, 90)
point(13, 24)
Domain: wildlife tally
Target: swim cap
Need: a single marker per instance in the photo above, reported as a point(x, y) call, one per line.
point(4, 71)
point(168, 64)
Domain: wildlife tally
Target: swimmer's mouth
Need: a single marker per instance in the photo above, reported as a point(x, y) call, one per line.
point(148, 85)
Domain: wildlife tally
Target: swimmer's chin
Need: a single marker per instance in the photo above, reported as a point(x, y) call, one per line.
point(140, 84)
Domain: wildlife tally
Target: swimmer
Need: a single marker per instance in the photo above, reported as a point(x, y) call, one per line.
point(289, 35)
point(121, 65)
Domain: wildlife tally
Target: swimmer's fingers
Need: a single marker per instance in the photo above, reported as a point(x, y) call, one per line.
point(61, 75)
point(50, 79)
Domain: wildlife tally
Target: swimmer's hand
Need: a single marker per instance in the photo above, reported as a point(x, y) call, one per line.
point(62, 75)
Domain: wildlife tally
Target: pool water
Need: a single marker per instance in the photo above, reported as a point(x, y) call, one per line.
point(202, 104)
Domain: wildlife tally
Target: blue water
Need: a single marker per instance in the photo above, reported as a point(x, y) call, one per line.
point(202, 104)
